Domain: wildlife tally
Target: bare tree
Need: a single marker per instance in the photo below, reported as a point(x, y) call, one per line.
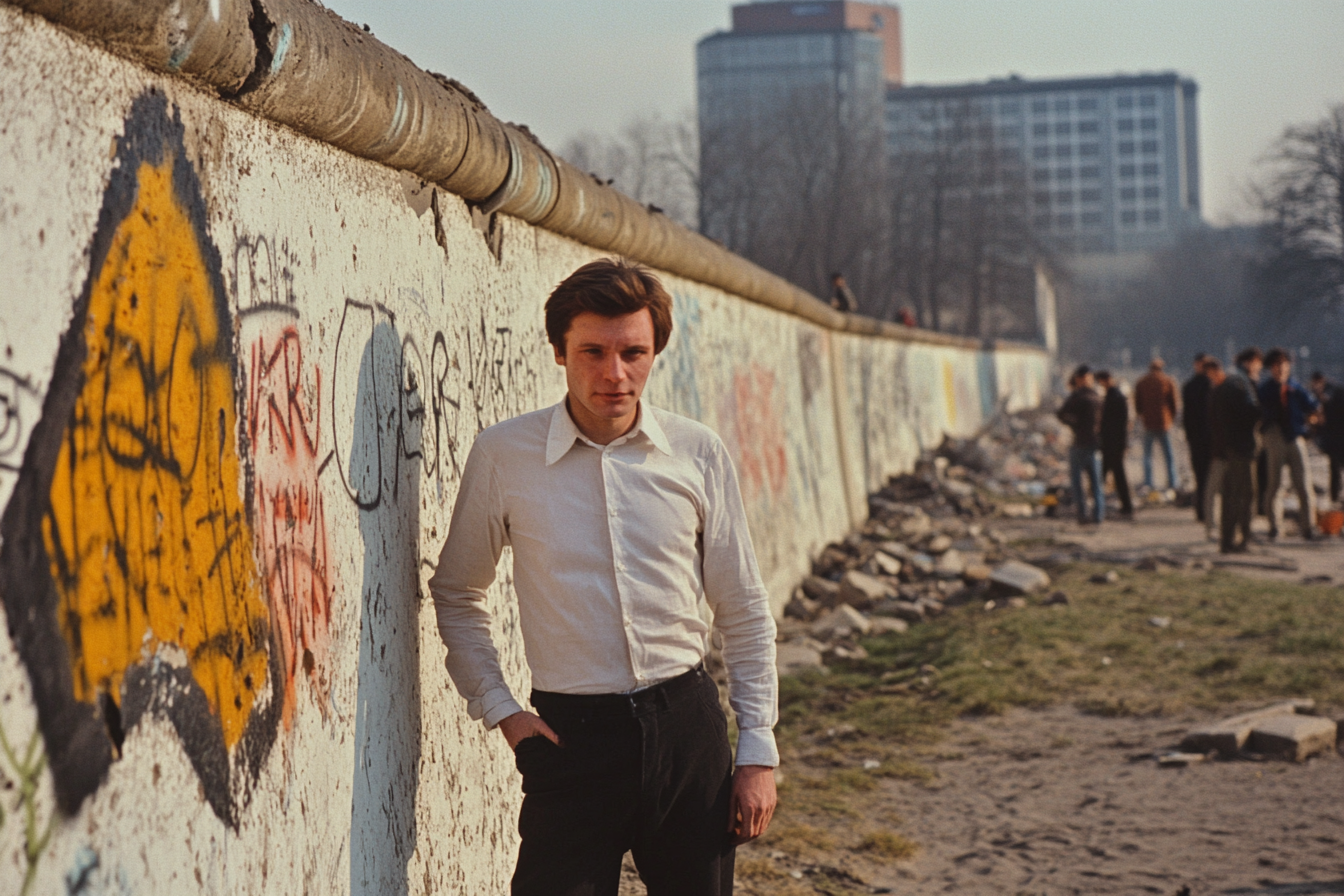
point(651, 160)
point(1304, 201)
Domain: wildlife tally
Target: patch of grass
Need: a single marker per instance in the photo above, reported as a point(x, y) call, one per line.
point(758, 869)
point(1232, 640)
point(798, 839)
point(888, 845)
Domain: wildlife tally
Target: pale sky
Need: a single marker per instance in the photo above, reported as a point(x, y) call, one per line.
point(566, 66)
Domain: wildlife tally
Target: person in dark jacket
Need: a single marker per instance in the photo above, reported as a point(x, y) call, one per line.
point(1213, 488)
point(1115, 438)
point(1286, 407)
point(841, 297)
point(1081, 412)
point(1195, 420)
point(1330, 428)
point(1234, 417)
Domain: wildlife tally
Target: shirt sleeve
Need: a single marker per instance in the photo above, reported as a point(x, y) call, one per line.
point(466, 568)
point(737, 596)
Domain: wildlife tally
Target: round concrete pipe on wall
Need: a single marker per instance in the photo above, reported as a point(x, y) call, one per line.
point(530, 189)
point(485, 166)
point(332, 81)
point(208, 40)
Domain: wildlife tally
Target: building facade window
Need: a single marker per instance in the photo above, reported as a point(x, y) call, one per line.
point(1150, 147)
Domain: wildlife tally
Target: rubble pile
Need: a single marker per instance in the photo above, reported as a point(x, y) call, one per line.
point(930, 543)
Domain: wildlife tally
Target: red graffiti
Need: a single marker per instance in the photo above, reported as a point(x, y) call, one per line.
point(758, 432)
point(283, 427)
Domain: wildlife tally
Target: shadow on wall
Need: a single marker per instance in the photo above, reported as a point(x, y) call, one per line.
point(384, 479)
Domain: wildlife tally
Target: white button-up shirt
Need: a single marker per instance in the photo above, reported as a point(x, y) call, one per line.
point(614, 549)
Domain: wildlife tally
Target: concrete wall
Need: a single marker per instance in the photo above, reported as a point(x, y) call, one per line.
point(239, 374)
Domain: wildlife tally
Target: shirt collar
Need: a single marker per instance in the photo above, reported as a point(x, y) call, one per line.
point(563, 432)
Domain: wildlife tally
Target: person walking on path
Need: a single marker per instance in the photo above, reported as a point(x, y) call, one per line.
point(1286, 407)
point(1195, 420)
point(1330, 429)
point(1155, 404)
point(1114, 439)
point(1213, 369)
point(1234, 417)
point(625, 521)
point(1081, 412)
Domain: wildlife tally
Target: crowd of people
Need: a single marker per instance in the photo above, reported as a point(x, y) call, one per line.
point(1243, 427)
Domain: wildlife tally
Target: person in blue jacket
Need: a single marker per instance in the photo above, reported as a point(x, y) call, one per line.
point(1286, 409)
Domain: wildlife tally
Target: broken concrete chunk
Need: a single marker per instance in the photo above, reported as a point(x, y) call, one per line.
point(1016, 511)
point(862, 590)
point(976, 572)
point(915, 526)
point(1179, 760)
point(883, 625)
point(895, 549)
point(1109, 577)
point(823, 591)
point(1016, 577)
point(950, 565)
point(1228, 736)
point(801, 607)
point(920, 563)
point(1293, 737)
point(1058, 598)
point(938, 544)
point(792, 658)
point(910, 611)
point(843, 620)
point(887, 564)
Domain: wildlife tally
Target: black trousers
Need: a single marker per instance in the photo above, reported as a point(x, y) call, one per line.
point(1201, 457)
point(1113, 461)
point(650, 772)
point(1336, 475)
point(1238, 501)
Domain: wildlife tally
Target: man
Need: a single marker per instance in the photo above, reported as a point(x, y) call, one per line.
point(1195, 420)
point(1286, 407)
point(1114, 438)
point(1081, 412)
point(1213, 369)
point(1234, 417)
point(841, 297)
point(1155, 404)
point(1330, 428)
point(622, 519)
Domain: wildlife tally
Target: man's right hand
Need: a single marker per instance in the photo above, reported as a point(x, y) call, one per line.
point(522, 725)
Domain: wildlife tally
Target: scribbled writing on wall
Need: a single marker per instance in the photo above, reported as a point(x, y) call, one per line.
point(127, 553)
point(442, 390)
point(283, 426)
point(20, 776)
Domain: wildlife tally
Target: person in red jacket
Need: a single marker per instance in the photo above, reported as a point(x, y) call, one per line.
point(1155, 405)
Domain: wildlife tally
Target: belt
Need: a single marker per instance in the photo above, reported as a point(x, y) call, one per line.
point(637, 703)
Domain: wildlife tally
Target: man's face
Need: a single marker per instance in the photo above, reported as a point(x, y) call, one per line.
point(1085, 381)
point(607, 361)
point(1253, 368)
point(1281, 370)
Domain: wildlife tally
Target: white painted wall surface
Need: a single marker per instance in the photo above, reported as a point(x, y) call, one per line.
point(365, 340)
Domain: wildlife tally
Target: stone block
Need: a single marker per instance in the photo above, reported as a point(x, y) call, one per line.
point(938, 544)
point(1227, 736)
point(823, 591)
point(1016, 577)
point(950, 565)
point(1292, 737)
point(883, 625)
point(861, 590)
point(887, 564)
point(843, 621)
point(792, 658)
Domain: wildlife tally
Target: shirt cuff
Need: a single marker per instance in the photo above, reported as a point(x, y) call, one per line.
point(756, 746)
point(499, 705)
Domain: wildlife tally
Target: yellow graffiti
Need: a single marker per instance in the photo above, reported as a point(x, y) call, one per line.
point(147, 535)
point(950, 392)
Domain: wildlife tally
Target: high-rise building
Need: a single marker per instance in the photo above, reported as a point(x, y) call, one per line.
point(790, 111)
point(1112, 162)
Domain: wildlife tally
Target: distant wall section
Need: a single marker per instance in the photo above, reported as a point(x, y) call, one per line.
point(240, 371)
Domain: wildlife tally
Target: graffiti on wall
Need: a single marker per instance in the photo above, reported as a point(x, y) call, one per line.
point(283, 430)
point(754, 432)
point(127, 558)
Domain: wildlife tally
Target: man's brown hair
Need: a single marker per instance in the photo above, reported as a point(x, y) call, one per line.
point(610, 287)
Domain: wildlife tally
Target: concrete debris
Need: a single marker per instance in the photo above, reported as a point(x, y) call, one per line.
point(930, 542)
point(1016, 577)
point(793, 657)
point(841, 622)
point(1109, 577)
point(1179, 760)
point(1228, 736)
point(1057, 598)
point(1160, 621)
point(1293, 737)
point(862, 591)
